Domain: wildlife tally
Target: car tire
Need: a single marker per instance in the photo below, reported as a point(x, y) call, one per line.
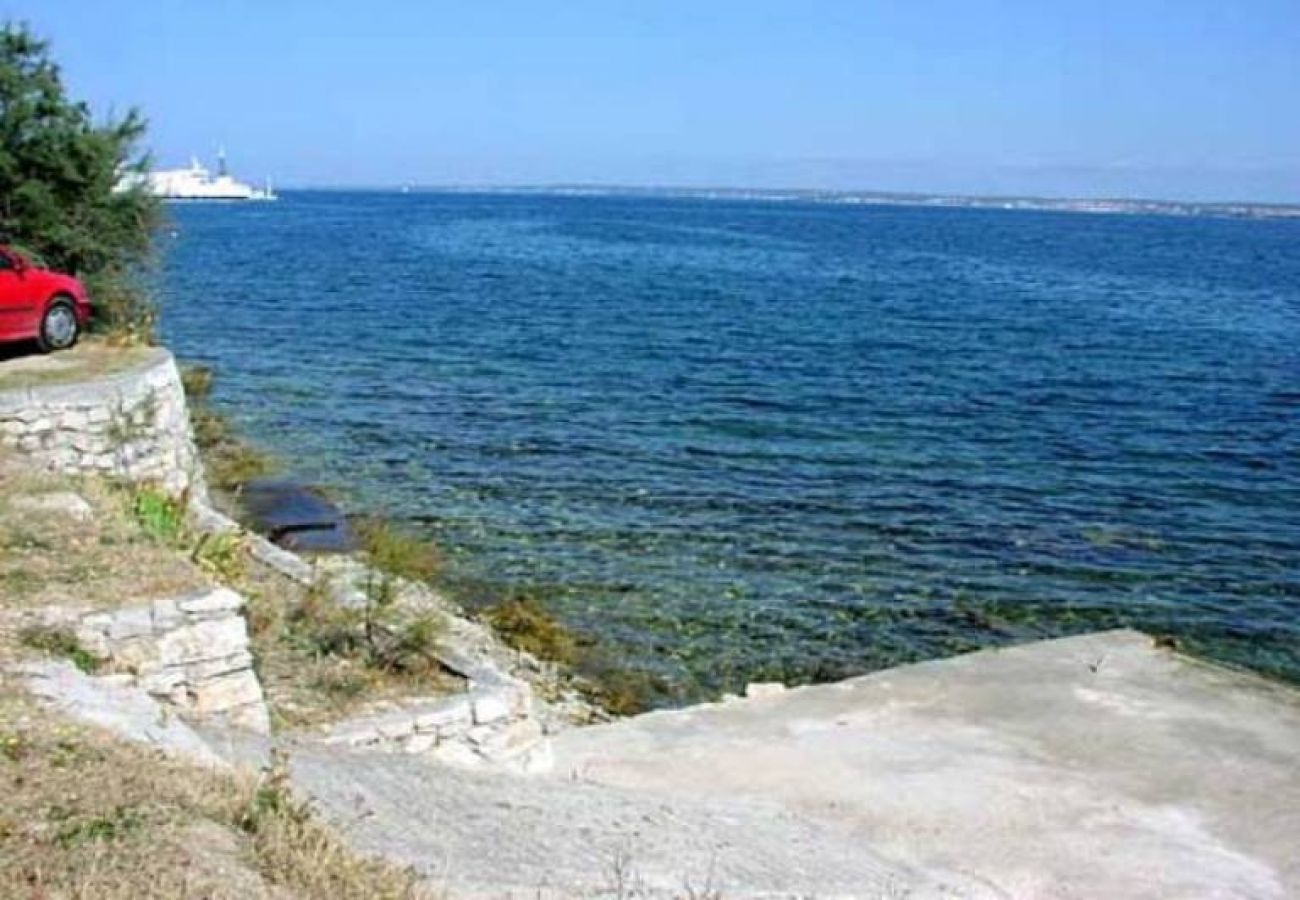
point(59, 326)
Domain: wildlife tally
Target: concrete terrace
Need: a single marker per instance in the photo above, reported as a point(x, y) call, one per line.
point(1091, 767)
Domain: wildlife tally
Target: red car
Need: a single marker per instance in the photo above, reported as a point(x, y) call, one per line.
point(37, 304)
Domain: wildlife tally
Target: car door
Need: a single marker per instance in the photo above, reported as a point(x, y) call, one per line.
point(17, 305)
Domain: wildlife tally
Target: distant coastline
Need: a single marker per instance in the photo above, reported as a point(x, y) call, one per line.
point(1112, 206)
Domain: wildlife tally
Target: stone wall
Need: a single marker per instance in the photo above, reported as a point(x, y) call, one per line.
point(132, 425)
point(492, 723)
point(496, 721)
point(189, 652)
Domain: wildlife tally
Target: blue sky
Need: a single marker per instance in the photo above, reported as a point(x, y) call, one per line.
point(1185, 99)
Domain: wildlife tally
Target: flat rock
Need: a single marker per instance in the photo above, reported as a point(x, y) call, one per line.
point(297, 517)
point(55, 503)
point(118, 707)
point(1097, 766)
point(210, 601)
point(492, 834)
point(34, 363)
point(757, 689)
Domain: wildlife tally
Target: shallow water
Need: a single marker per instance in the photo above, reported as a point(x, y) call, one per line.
point(751, 440)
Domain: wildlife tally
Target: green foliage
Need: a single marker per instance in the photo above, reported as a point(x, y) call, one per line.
point(222, 554)
point(59, 178)
point(394, 639)
point(626, 692)
point(523, 623)
point(118, 823)
point(397, 554)
point(60, 642)
point(159, 514)
point(320, 625)
point(197, 382)
point(125, 308)
point(342, 683)
point(228, 460)
point(162, 517)
point(273, 799)
point(519, 615)
point(381, 637)
point(15, 747)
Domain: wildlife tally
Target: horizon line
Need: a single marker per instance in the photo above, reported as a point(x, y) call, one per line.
point(779, 192)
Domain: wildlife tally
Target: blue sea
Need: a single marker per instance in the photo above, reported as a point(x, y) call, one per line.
point(747, 440)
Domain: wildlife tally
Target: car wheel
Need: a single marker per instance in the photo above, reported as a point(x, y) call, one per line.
point(59, 327)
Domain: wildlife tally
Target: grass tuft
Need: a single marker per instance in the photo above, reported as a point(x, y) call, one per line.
point(523, 623)
point(398, 554)
point(627, 692)
point(62, 643)
point(161, 515)
point(119, 822)
point(317, 664)
point(224, 555)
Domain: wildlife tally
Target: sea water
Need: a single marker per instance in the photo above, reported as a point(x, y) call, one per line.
point(743, 440)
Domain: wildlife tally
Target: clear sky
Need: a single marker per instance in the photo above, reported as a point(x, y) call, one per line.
point(1196, 99)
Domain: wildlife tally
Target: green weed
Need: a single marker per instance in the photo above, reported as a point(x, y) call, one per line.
point(523, 623)
point(118, 823)
point(60, 642)
point(222, 554)
point(159, 514)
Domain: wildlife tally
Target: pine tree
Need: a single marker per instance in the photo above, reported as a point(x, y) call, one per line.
point(60, 174)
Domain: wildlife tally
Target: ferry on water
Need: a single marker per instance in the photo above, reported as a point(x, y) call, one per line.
point(197, 183)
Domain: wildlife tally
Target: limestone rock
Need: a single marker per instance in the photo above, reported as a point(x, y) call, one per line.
point(227, 692)
point(419, 743)
point(491, 707)
point(56, 503)
point(449, 713)
point(124, 710)
point(759, 689)
point(219, 600)
point(205, 640)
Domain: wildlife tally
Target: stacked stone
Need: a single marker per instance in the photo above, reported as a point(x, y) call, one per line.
point(132, 425)
point(491, 723)
point(190, 652)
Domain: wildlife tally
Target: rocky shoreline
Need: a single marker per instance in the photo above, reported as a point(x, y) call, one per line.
point(1074, 767)
point(134, 426)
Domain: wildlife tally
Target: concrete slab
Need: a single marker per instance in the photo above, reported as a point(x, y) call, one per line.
point(1089, 767)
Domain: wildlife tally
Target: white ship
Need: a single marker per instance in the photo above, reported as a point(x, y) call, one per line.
point(197, 183)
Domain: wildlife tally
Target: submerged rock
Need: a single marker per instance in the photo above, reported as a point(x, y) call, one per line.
point(297, 517)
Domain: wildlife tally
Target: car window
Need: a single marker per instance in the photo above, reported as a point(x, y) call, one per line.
point(5, 262)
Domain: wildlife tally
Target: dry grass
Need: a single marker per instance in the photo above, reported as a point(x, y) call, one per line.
point(135, 550)
point(311, 676)
point(21, 366)
point(51, 559)
point(86, 815)
point(89, 816)
point(319, 662)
